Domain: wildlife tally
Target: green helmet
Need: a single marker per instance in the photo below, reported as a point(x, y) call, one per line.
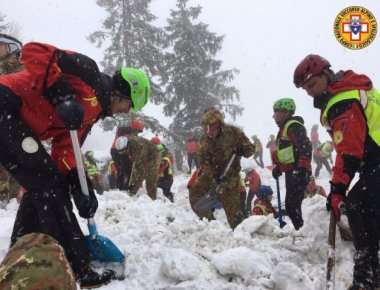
point(138, 86)
point(285, 104)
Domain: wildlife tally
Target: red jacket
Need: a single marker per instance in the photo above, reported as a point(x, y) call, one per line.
point(37, 112)
point(348, 129)
point(254, 181)
point(192, 147)
point(314, 136)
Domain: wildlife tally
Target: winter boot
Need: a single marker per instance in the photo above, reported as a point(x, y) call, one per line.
point(376, 279)
point(90, 279)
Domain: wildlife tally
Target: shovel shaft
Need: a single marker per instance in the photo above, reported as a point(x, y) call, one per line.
point(330, 269)
point(280, 220)
point(82, 177)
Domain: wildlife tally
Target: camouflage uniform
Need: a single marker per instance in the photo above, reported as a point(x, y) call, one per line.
point(146, 162)
point(36, 261)
point(8, 185)
point(214, 154)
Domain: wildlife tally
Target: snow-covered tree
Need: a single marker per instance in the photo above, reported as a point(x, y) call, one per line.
point(196, 79)
point(3, 24)
point(9, 27)
point(131, 40)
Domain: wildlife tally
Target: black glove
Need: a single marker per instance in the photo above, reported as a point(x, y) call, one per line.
point(86, 205)
point(59, 92)
point(336, 190)
point(239, 151)
point(276, 172)
point(71, 113)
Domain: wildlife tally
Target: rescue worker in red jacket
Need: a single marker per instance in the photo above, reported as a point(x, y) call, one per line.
point(192, 147)
point(350, 108)
point(293, 156)
point(58, 91)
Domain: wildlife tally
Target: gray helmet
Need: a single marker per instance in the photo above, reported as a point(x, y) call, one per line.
point(14, 45)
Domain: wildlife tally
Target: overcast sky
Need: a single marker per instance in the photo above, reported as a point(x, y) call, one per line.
point(265, 40)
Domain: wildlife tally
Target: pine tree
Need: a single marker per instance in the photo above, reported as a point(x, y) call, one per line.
point(133, 40)
point(4, 26)
point(196, 80)
point(8, 27)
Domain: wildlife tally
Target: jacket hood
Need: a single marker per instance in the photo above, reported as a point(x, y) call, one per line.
point(103, 92)
point(349, 80)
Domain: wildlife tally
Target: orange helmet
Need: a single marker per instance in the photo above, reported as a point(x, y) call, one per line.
point(312, 65)
point(137, 125)
point(155, 140)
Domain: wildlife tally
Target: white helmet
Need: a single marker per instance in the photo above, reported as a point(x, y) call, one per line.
point(121, 143)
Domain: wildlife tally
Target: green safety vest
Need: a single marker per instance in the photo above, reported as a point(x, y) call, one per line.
point(326, 150)
point(91, 169)
point(370, 101)
point(170, 167)
point(286, 155)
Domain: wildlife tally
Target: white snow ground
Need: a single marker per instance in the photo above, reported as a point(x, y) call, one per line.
point(169, 248)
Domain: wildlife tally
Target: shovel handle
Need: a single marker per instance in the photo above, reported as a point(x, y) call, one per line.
point(82, 177)
point(280, 220)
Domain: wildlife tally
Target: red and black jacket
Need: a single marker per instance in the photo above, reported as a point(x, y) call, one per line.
point(44, 67)
point(349, 131)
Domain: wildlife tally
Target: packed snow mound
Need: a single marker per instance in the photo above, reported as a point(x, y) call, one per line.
point(287, 276)
point(243, 262)
point(168, 248)
point(180, 265)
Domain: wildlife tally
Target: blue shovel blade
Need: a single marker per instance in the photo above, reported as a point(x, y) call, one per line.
point(103, 249)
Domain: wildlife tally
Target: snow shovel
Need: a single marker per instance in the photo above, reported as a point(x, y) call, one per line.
point(210, 199)
point(101, 248)
point(280, 220)
point(330, 269)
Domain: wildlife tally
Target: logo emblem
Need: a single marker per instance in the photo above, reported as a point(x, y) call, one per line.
point(355, 27)
point(29, 145)
point(337, 137)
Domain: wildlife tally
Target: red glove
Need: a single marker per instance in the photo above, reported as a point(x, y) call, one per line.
point(337, 203)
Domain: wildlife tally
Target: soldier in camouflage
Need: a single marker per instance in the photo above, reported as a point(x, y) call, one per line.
point(146, 163)
point(9, 63)
point(36, 261)
point(217, 145)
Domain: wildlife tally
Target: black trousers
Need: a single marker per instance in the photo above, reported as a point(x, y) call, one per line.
point(251, 195)
point(46, 206)
point(190, 159)
point(295, 182)
point(363, 212)
point(321, 161)
point(124, 168)
point(165, 183)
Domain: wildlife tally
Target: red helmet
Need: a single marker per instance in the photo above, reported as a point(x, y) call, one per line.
point(137, 125)
point(312, 65)
point(155, 140)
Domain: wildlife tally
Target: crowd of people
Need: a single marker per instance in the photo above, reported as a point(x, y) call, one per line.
point(47, 92)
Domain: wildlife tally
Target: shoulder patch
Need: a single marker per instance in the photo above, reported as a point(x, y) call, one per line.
point(337, 137)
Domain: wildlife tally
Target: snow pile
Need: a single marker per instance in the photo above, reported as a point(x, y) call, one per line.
point(168, 247)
